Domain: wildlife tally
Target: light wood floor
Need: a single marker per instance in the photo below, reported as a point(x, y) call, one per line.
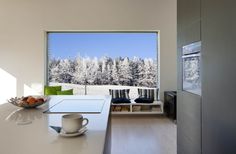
point(143, 135)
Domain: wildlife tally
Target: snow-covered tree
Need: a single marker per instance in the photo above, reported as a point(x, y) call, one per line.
point(53, 70)
point(105, 73)
point(65, 71)
point(125, 72)
point(155, 73)
point(140, 73)
point(149, 73)
point(134, 64)
point(114, 74)
point(92, 71)
point(79, 74)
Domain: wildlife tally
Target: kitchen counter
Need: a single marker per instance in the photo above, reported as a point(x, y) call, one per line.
point(36, 137)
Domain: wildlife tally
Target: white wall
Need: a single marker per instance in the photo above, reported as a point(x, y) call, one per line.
point(23, 22)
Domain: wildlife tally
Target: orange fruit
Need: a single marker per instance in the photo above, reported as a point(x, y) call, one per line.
point(31, 100)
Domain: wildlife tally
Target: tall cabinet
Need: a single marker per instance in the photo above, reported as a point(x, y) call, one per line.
point(206, 124)
point(188, 104)
point(218, 77)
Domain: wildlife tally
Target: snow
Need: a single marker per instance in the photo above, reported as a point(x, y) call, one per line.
point(103, 74)
point(97, 89)
point(104, 71)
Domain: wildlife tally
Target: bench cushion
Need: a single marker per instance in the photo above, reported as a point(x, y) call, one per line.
point(120, 100)
point(143, 100)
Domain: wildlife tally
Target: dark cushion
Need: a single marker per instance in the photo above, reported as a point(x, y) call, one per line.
point(143, 100)
point(150, 93)
point(120, 100)
point(119, 93)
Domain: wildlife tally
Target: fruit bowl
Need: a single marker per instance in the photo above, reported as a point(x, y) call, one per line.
point(28, 102)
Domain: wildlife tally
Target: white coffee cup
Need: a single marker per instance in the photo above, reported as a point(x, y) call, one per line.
point(71, 123)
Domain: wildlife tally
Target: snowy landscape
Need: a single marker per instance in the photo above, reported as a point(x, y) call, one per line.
point(103, 74)
point(104, 71)
point(102, 61)
point(97, 89)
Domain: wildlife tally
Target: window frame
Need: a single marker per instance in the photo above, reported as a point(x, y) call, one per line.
point(46, 82)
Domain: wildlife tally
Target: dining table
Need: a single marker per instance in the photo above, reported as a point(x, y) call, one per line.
point(28, 131)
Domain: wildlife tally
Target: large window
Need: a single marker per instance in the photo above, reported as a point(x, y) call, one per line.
point(99, 61)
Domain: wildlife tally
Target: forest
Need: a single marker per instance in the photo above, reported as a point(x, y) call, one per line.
point(104, 71)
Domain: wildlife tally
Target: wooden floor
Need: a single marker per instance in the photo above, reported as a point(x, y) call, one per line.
point(143, 135)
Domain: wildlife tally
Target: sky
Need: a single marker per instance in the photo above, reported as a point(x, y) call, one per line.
point(70, 45)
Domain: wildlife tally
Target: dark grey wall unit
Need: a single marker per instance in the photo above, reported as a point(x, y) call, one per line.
point(219, 77)
point(188, 123)
point(188, 105)
point(188, 24)
point(207, 124)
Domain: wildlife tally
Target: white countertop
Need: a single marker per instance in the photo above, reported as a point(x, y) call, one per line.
point(38, 138)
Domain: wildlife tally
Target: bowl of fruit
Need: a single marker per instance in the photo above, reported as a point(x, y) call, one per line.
point(29, 101)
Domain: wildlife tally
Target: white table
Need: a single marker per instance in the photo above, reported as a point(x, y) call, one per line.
point(37, 138)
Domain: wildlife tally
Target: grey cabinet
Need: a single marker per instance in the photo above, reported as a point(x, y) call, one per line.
point(188, 25)
point(218, 77)
point(207, 124)
point(188, 105)
point(188, 123)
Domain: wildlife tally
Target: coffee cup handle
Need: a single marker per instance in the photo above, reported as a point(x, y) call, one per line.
point(86, 122)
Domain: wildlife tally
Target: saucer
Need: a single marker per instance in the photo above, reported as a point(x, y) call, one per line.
point(80, 132)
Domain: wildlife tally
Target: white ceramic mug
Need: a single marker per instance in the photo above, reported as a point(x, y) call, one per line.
point(71, 123)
